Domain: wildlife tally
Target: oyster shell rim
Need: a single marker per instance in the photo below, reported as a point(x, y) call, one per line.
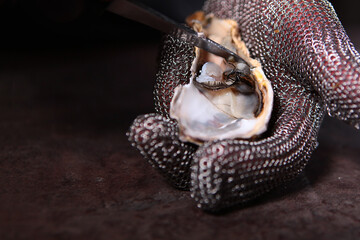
point(261, 82)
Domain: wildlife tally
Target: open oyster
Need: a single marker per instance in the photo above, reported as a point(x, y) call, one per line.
point(222, 101)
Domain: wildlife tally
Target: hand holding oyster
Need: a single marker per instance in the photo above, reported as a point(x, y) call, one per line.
point(312, 67)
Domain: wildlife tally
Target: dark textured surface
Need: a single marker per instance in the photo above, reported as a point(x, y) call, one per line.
point(68, 172)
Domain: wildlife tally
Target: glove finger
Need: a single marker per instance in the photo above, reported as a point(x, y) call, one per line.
point(306, 39)
point(156, 137)
point(229, 172)
point(176, 59)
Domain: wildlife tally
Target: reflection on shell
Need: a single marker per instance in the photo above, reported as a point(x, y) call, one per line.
point(220, 101)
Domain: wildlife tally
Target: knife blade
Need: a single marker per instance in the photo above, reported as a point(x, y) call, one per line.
point(152, 18)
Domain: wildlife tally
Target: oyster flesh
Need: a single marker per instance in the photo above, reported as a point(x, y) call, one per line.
point(222, 101)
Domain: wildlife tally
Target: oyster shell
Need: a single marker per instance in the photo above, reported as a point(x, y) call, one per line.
point(220, 101)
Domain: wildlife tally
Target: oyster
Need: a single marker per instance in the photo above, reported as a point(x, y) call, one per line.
point(222, 101)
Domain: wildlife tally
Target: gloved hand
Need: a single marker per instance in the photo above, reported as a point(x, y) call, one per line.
point(313, 68)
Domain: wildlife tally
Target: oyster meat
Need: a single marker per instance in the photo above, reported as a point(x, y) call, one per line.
point(222, 100)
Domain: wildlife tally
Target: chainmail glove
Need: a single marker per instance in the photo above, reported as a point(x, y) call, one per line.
point(313, 68)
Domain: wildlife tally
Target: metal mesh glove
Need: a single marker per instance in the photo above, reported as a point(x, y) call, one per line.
point(313, 67)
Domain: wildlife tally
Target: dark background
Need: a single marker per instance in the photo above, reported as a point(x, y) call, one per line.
point(71, 82)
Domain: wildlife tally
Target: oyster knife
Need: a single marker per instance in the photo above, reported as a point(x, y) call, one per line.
point(148, 16)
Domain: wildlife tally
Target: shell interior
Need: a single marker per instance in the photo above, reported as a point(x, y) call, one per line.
point(220, 101)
